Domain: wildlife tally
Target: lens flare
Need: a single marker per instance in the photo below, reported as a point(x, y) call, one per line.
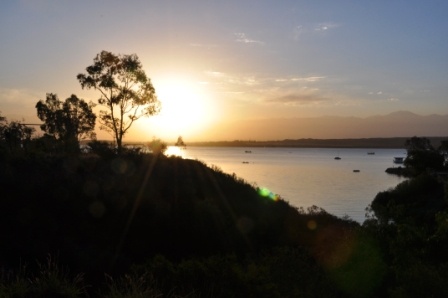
point(266, 193)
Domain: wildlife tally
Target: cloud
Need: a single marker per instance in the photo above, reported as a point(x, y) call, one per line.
point(322, 27)
point(301, 96)
point(246, 80)
point(242, 38)
point(215, 74)
point(201, 45)
point(289, 90)
point(310, 79)
point(298, 32)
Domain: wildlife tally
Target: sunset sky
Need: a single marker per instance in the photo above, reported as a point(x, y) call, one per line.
point(223, 62)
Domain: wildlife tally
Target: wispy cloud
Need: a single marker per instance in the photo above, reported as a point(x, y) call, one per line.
point(322, 27)
point(214, 74)
point(246, 80)
point(310, 79)
point(298, 32)
point(202, 45)
point(299, 96)
point(289, 90)
point(242, 38)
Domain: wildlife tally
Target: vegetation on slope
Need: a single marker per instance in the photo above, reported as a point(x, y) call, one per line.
point(146, 225)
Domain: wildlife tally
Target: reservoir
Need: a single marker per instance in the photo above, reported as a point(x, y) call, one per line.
point(310, 176)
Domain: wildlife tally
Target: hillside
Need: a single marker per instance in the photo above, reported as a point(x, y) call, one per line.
point(143, 225)
point(104, 215)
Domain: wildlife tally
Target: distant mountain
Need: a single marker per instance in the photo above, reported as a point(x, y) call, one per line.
point(397, 124)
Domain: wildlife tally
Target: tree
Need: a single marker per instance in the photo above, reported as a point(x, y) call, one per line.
point(15, 135)
point(126, 92)
point(421, 155)
point(416, 143)
point(180, 142)
point(443, 149)
point(69, 121)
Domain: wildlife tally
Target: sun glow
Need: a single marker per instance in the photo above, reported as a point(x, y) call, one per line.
point(186, 110)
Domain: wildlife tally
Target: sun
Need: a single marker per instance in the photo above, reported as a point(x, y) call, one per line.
point(186, 108)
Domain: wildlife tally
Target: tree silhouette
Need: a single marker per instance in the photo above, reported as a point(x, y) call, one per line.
point(421, 155)
point(180, 142)
point(126, 92)
point(14, 134)
point(68, 121)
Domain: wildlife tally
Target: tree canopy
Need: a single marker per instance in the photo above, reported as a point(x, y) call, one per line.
point(68, 121)
point(14, 135)
point(126, 92)
point(421, 155)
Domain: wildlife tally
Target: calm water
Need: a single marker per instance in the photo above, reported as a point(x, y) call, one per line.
point(310, 176)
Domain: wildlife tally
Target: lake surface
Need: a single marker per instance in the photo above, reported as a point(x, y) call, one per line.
point(310, 176)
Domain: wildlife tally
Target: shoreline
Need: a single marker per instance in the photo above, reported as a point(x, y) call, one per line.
point(371, 143)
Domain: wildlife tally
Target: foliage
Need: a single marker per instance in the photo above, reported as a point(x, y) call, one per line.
point(421, 156)
point(50, 281)
point(411, 201)
point(180, 142)
point(126, 92)
point(168, 227)
point(158, 146)
point(102, 148)
point(14, 136)
point(131, 286)
point(410, 221)
point(68, 121)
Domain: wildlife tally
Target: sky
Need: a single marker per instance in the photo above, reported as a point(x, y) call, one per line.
point(220, 63)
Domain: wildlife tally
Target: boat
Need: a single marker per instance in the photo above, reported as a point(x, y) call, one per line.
point(337, 158)
point(356, 171)
point(398, 160)
point(371, 153)
point(248, 151)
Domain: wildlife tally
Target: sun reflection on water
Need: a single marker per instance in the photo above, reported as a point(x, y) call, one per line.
point(175, 151)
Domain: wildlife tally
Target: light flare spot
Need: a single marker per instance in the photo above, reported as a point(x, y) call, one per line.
point(311, 224)
point(266, 193)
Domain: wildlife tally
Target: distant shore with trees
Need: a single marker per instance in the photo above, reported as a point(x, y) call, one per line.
point(387, 143)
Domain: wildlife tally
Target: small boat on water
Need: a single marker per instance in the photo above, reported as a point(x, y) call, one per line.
point(371, 153)
point(356, 171)
point(398, 160)
point(337, 158)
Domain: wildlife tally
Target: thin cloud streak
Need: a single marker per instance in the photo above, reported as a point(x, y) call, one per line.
point(326, 26)
point(242, 38)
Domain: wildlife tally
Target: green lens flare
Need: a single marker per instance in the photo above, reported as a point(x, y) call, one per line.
point(265, 192)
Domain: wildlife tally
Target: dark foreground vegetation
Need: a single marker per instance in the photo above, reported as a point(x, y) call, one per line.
point(104, 224)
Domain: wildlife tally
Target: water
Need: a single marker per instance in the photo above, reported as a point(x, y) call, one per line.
point(310, 176)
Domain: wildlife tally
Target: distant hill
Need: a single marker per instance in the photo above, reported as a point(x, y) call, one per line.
point(397, 124)
point(322, 143)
